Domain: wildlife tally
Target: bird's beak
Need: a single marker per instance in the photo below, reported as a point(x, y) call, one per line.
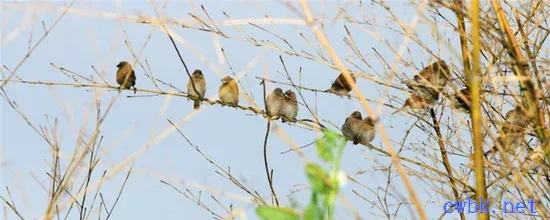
point(223, 81)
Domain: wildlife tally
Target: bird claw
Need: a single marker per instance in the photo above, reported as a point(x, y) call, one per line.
point(135, 90)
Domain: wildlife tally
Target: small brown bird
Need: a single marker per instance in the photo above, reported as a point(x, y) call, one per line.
point(200, 85)
point(518, 117)
point(509, 140)
point(290, 106)
point(513, 130)
point(434, 76)
point(367, 131)
point(340, 86)
point(351, 128)
point(463, 102)
point(229, 91)
point(416, 101)
point(274, 102)
point(125, 76)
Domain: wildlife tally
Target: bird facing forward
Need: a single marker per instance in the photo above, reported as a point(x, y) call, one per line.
point(274, 102)
point(340, 86)
point(229, 92)
point(352, 126)
point(290, 107)
point(367, 131)
point(200, 85)
point(125, 76)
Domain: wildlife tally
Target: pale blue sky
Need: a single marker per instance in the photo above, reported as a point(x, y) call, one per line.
point(231, 138)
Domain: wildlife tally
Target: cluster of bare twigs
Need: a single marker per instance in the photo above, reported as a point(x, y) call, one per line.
point(502, 56)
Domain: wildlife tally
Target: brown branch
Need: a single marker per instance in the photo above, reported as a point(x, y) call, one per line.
point(445, 158)
point(269, 177)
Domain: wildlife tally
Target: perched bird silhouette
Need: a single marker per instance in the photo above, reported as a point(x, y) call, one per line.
point(513, 130)
point(340, 86)
point(508, 140)
point(200, 85)
point(351, 128)
point(290, 106)
point(517, 117)
point(125, 76)
point(274, 102)
point(462, 103)
point(367, 131)
point(433, 77)
point(416, 101)
point(229, 92)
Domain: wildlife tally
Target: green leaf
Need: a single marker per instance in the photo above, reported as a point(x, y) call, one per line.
point(328, 146)
point(277, 213)
point(313, 212)
point(324, 151)
point(319, 179)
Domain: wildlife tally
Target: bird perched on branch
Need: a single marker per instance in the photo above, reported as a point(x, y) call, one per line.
point(196, 87)
point(426, 86)
point(518, 117)
point(512, 131)
point(289, 108)
point(125, 76)
point(433, 78)
point(357, 129)
point(462, 103)
point(352, 126)
point(340, 86)
point(367, 131)
point(274, 102)
point(229, 92)
point(416, 101)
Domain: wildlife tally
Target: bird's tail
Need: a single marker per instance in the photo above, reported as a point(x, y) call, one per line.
point(196, 104)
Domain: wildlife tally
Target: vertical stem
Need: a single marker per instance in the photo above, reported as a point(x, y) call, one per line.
point(521, 70)
point(269, 176)
point(458, 6)
point(475, 77)
point(445, 159)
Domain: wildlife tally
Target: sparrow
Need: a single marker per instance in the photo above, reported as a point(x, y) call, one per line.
point(229, 91)
point(508, 140)
point(366, 131)
point(200, 85)
point(352, 126)
point(274, 102)
point(517, 117)
point(462, 103)
point(416, 101)
point(434, 76)
point(289, 107)
point(340, 86)
point(513, 130)
point(125, 76)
